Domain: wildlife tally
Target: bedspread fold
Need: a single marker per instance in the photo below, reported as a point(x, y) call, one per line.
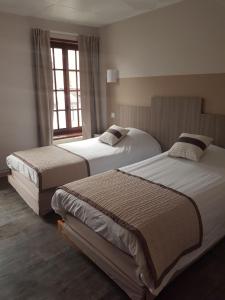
point(54, 165)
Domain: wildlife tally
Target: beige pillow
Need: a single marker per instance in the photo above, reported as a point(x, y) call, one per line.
point(113, 135)
point(190, 146)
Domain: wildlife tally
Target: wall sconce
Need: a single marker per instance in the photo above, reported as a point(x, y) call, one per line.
point(112, 76)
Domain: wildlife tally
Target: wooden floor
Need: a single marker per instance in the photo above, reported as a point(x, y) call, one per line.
point(37, 264)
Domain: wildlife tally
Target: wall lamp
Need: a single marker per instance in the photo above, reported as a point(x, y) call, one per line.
point(112, 76)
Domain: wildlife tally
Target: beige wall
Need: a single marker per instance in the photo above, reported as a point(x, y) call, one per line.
point(187, 38)
point(140, 90)
point(17, 104)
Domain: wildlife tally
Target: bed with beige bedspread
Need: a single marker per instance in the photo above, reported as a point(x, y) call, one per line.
point(158, 216)
point(150, 211)
point(54, 165)
point(35, 173)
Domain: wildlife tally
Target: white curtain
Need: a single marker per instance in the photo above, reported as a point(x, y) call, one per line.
point(43, 85)
point(90, 84)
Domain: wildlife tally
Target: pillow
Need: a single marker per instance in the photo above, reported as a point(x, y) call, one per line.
point(190, 146)
point(113, 135)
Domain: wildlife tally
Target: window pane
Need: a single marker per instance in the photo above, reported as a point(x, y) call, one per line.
point(58, 58)
point(61, 100)
point(78, 80)
point(73, 82)
point(54, 98)
point(80, 118)
point(55, 126)
point(71, 58)
point(53, 79)
point(79, 100)
point(62, 119)
point(73, 100)
point(59, 80)
point(52, 58)
point(78, 61)
point(74, 118)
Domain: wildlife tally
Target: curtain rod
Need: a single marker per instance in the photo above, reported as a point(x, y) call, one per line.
point(64, 33)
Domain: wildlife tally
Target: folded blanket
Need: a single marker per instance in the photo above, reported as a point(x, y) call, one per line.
point(54, 165)
point(166, 223)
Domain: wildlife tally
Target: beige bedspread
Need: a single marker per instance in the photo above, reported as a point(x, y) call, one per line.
point(54, 165)
point(167, 223)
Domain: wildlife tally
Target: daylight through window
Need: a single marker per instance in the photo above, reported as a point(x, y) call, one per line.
point(67, 117)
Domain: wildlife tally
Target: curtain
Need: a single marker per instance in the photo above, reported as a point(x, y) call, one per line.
point(89, 84)
point(43, 85)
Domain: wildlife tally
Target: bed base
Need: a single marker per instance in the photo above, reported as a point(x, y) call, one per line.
point(119, 266)
point(40, 202)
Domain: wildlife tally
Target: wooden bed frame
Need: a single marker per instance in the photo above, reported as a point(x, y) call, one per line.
point(166, 119)
point(39, 201)
point(119, 266)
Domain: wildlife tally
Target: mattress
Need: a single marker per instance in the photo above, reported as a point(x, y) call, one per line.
point(136, 146)
point(203, 181)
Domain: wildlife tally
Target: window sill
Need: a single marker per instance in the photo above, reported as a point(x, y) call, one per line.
point(67, 138)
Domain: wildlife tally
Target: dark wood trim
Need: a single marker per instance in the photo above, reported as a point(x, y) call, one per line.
point(66, 136)
point(78, 117)
point(66, 45)
point(54, 91)
point(58, 69)
point(68, 131)
point(66, 87)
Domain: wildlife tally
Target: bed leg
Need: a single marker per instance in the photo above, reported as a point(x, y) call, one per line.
point(60, 224)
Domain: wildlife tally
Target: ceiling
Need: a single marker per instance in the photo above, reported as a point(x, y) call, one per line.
point(86, 12)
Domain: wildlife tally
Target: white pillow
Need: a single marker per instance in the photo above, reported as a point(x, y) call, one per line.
point(190, 146)
point(113, 135)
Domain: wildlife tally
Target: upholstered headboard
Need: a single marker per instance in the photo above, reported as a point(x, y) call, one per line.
point(168, 117)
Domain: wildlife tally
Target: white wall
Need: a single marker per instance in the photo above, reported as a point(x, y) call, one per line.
point(17, 103)
point(185, 38)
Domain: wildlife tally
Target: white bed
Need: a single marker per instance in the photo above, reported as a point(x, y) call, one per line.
point(136, 146)
point(203, 181)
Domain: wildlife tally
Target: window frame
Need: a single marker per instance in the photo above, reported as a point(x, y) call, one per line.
point(66, 45)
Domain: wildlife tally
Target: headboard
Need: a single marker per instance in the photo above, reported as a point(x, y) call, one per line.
point(168, 117)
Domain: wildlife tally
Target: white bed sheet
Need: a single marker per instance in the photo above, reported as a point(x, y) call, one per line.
point(136, 146)
point(203, 181)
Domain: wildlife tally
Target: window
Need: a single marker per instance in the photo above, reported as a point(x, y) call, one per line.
point(67, 117)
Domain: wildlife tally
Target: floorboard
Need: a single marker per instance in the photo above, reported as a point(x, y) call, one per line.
point(36, 263)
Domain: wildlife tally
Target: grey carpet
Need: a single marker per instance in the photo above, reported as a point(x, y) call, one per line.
point(37, 263)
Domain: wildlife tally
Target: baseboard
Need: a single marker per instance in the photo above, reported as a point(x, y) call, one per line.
point(4, 173)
